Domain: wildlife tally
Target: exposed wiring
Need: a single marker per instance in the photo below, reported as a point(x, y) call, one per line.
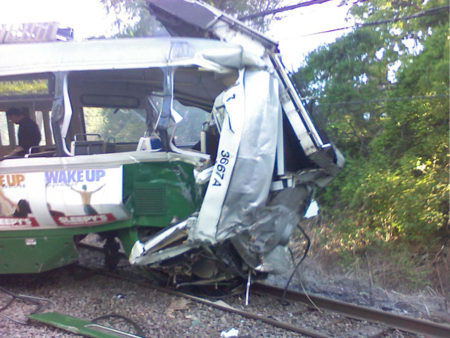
point(300, 281)
point(306, 293)
point(308, 245)
point(138, 330)
point(35, 300)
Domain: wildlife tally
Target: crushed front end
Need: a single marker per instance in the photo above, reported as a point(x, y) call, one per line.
point(267, 159)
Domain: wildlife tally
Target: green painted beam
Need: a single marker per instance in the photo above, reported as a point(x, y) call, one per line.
point(80, 326)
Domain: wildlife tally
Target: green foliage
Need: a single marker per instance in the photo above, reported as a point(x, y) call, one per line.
point(347, 71)
point(134, 20)
point(122, 125)
point(395, 187)
point(28, 87)
point(394, 33)
point(238, 8)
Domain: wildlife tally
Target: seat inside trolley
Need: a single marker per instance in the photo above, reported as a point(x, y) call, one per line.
point(111, 110)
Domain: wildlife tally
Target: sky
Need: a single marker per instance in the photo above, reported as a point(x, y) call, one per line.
point(89, 18)
point(307, 20)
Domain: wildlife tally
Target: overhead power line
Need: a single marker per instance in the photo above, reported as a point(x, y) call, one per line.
point(407, 98)
point(321, 32)
point(376, 23)
point(282, 9)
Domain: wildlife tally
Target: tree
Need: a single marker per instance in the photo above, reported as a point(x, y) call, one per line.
point(382, 93)
point(340, 74)
point(133, 18)
point(246, 7)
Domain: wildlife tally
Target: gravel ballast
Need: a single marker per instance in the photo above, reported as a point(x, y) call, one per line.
point(78, 293)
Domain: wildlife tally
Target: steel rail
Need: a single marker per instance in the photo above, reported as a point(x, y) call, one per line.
point(349, 310)
point(283, 325)
point(359, 312)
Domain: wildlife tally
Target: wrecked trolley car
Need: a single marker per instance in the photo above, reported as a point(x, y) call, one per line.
point(196, 154)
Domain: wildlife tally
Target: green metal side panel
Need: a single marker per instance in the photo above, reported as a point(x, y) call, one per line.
point(79, 326)
point(156, 193)
point(36, 254)
point(34, 251)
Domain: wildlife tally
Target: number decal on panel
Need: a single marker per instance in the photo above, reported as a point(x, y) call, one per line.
point(221, 168)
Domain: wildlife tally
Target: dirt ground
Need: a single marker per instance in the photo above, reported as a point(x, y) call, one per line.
point(313, 279)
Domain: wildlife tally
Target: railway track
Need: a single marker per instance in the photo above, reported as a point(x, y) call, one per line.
point(368, 322)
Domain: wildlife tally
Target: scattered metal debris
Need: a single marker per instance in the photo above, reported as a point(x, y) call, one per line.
point(80, 326)
point(230, 333)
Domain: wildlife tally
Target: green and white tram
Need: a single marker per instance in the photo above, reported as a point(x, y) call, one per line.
point(195, 151)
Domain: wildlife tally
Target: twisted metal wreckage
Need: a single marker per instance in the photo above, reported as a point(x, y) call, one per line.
point(220, 210)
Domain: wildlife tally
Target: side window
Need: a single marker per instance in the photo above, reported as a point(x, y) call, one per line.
point(122, 125)
point(4, 134)
point(33, 92)
point(40, 123)
point(189, 129)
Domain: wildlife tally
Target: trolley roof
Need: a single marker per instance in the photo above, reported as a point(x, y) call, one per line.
point(136, 53)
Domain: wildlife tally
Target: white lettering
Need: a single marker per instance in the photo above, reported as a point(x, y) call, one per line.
point(85, 220)
point(16, 221)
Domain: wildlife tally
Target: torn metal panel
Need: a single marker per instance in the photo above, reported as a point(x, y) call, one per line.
point(144, 253)
point(252, 200)
point(251, 181)
point(276, 261)
point(234, 102)
point(197, 19)
point(180, 17)
point(264, 235)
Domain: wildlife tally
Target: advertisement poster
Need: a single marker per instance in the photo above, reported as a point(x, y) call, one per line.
point(63, 198)
point(14, 208)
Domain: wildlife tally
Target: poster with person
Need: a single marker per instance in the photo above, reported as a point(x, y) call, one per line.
point(85, 197)
point(61, 198)
point(15, 211)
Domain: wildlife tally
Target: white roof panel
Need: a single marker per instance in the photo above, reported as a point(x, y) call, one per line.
point(16, 59)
